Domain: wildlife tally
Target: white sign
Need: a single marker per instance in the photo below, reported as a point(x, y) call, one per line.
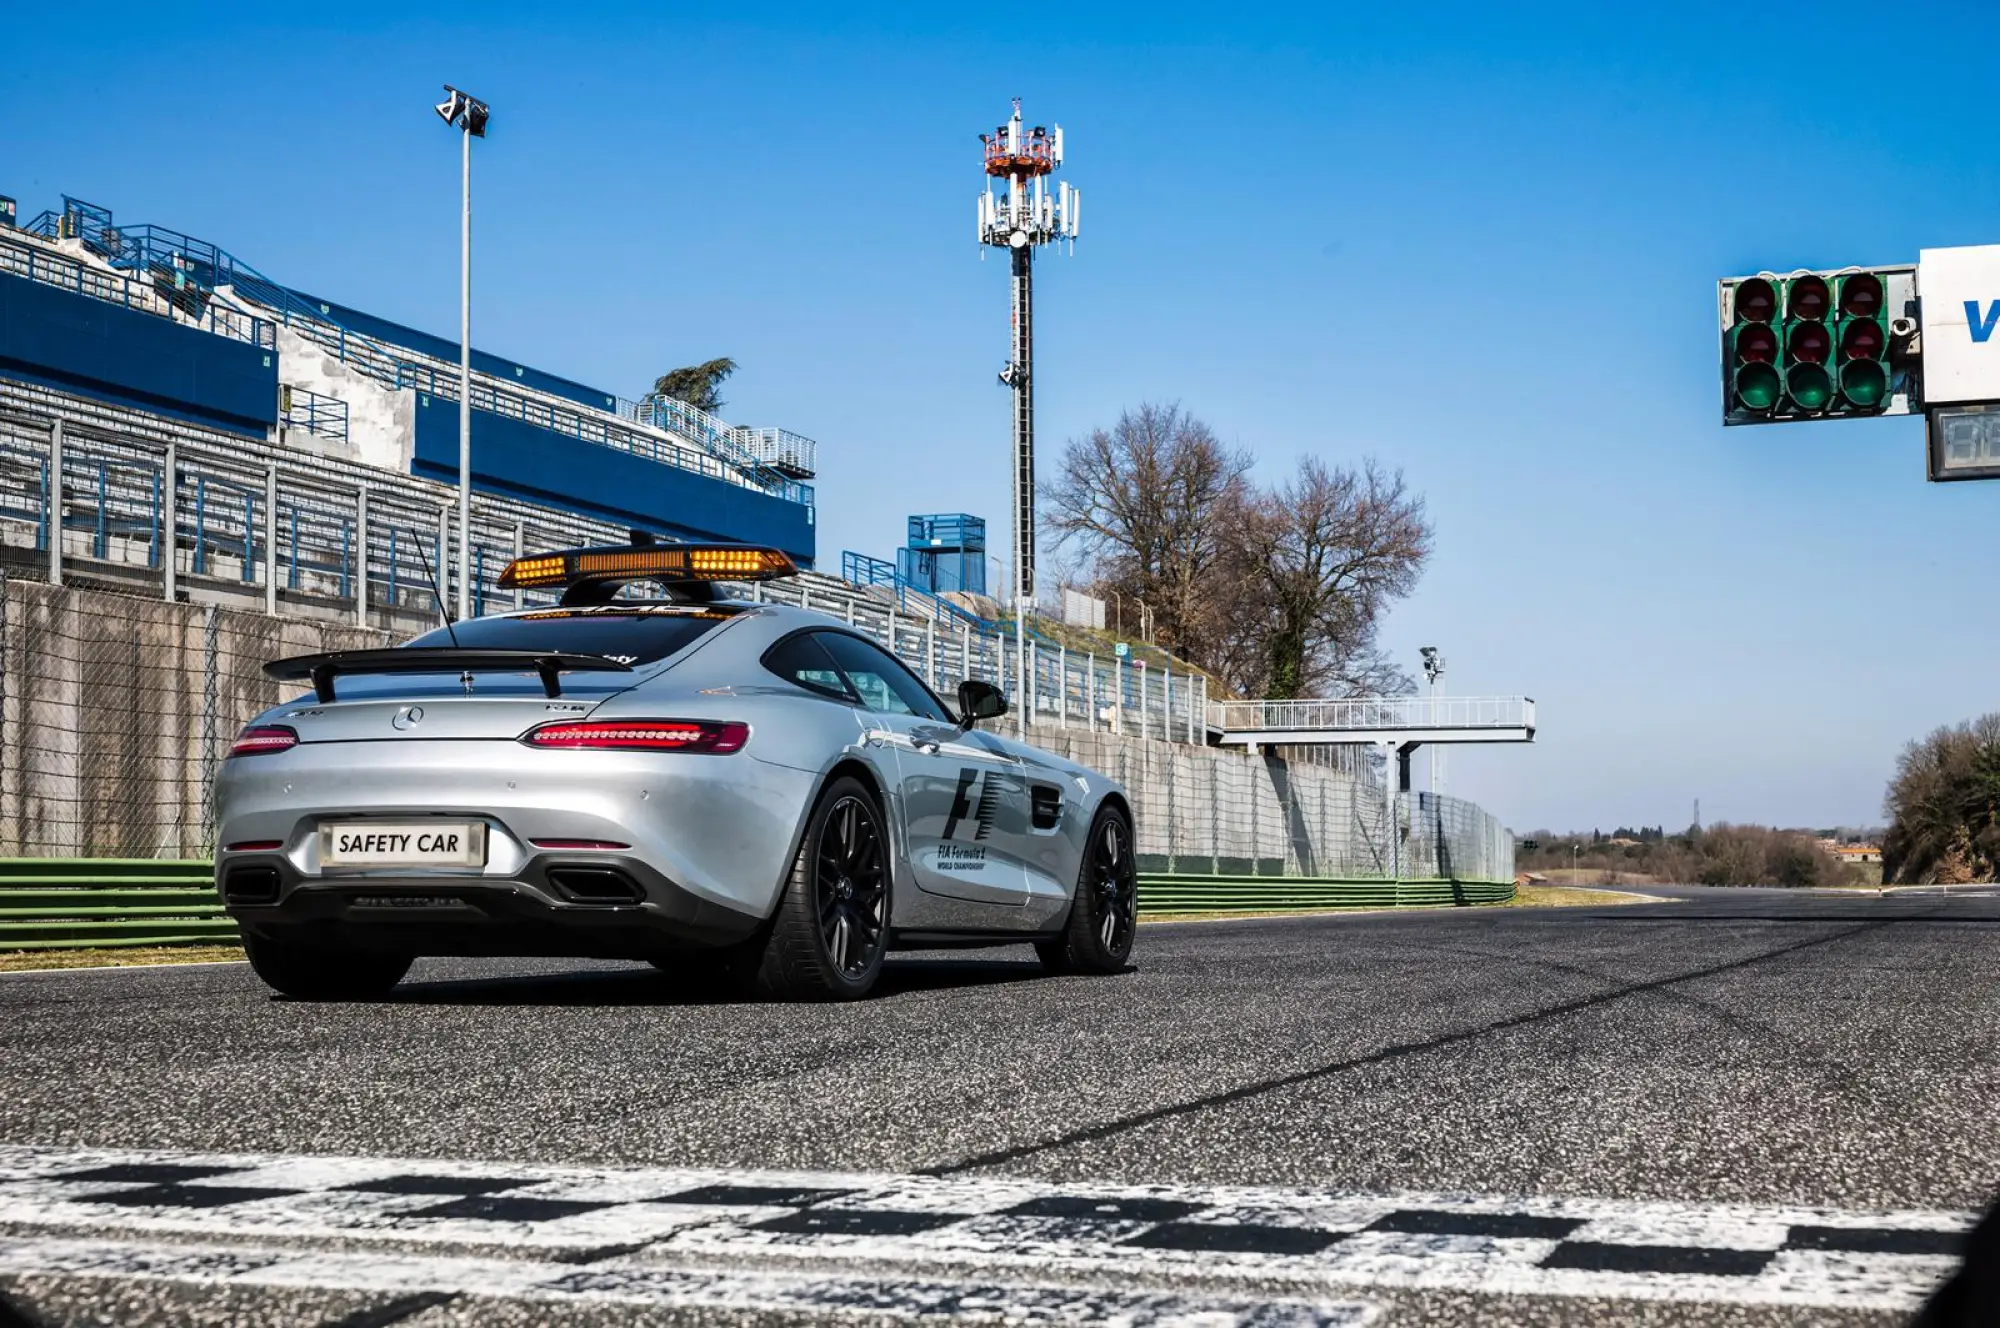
point(1959, 291)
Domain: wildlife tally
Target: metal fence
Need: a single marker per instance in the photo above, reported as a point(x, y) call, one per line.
point(1377, 712)
point(115, 711)
point(183, 508)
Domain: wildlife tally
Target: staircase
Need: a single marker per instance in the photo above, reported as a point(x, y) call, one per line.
point(78, 903)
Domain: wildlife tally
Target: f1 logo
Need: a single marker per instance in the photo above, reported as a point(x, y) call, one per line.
point(1981, 325)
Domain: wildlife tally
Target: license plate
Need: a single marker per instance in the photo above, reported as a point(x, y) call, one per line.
point(403, 844)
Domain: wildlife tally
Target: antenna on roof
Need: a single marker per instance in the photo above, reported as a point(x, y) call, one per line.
point(436, 593)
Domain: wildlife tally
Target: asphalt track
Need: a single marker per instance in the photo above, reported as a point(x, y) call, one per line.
point(1741, 1107)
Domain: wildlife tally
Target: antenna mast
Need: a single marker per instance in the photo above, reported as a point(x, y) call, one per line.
point(1020, 213)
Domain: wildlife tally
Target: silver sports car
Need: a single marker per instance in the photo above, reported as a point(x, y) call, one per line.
point(744, 791)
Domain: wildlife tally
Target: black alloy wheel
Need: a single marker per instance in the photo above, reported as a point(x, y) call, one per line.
point(831, 929)
point(851, 886)
point(1104, 914)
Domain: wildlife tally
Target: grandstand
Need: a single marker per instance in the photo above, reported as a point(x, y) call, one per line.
point(175, 327)
point(229, 439)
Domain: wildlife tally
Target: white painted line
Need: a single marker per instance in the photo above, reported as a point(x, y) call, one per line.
point(664, 1288)
point(1306, 1243)
point(122, 968)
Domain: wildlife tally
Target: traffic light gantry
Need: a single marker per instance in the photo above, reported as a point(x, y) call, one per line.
point(1815, 345)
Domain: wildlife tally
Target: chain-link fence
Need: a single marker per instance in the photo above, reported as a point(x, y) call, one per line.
point(115, 711)
point(1224, 812)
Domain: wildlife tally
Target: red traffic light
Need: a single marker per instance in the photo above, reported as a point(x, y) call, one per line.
point(1757, 344)
point(1808, 297)
point(1861, 341)
point(1861, 295)
point(1808, 343)
point(1756, 301)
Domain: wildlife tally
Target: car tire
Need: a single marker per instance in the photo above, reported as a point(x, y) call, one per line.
point(831, 930)
point(317, 973)
point(1104, 911)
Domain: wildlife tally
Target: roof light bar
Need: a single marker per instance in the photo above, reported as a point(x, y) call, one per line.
point(666, 562)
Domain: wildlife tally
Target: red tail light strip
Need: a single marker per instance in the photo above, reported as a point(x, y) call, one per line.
point(260, 741)
point(606, 844)
point(705, 736)
point(253, 846)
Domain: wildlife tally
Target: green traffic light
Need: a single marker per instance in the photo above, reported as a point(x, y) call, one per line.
point(1757, 386)
point(1863, 383)
point(1808, 386)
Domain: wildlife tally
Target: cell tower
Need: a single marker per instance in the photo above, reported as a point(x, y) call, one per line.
point(1021, 220)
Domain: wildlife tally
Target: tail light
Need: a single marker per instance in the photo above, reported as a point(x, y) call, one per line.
point(259, 740)
point(705, 736)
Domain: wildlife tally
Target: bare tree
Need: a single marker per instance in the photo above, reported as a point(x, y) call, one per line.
point(1143, 502)
point(1320, 560)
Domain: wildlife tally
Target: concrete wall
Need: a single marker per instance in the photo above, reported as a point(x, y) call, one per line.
point(117, 708)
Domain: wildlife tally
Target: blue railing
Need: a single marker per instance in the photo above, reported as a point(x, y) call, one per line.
point(317, 414)
point(26, 260)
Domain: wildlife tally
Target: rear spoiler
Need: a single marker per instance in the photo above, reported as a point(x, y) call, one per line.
point(323, 669)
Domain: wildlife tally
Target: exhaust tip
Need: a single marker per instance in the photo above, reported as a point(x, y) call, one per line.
point(250, 885)
point(595, 885)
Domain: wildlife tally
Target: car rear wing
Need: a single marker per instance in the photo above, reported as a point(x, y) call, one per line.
point(321, 670)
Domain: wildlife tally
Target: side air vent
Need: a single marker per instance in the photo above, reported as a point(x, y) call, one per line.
point(251, 885)
point(595, 885)
point(1047, 806)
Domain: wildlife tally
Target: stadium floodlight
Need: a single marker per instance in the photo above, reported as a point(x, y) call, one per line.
point(468, 114)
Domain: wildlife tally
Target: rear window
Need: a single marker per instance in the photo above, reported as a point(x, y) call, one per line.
point(630, 635)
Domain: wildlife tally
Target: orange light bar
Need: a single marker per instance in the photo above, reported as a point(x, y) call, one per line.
point(549, 569)
point(667, 562)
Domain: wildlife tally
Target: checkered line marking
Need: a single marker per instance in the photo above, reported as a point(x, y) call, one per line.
point(1175, 1235)
point(823, 1297)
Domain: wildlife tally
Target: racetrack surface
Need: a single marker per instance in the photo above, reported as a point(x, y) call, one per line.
point(1741, 1057)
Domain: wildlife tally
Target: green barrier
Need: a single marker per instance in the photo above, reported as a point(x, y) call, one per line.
point(88, 903)
point(96, 903)
point(1160, 893)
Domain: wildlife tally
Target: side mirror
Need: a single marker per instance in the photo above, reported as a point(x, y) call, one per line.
point(979, 700)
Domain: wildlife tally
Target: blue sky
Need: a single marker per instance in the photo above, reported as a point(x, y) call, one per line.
point(1478, 242)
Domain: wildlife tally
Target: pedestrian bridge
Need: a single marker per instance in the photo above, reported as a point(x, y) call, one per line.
point(1403, 722)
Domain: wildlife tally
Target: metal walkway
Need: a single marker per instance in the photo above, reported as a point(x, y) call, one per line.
point(1403, 722)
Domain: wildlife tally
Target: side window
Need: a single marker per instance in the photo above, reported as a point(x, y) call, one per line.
point(803, 660)
point(880, 678)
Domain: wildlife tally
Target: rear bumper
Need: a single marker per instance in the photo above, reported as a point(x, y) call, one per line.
point(623, 910)
point(720, 829)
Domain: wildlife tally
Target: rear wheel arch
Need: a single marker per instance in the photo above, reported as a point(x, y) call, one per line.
point(859, 770)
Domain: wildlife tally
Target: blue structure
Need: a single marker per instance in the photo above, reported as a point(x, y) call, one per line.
point(159, 321)
point(61, 338)
point(945, 552)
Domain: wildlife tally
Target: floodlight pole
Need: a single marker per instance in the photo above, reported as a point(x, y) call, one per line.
point(465, 373)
